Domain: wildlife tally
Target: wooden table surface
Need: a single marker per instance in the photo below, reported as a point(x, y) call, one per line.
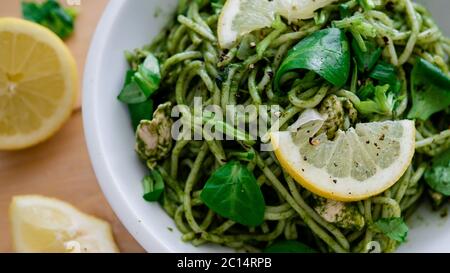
point(60, 167)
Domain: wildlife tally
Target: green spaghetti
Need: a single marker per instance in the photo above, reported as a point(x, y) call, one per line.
point(398, 69)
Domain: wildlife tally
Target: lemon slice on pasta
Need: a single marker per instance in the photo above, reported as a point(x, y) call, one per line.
point(240, 17)
point(359, 163)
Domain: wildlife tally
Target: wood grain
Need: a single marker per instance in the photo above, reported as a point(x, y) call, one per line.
point(60, 167)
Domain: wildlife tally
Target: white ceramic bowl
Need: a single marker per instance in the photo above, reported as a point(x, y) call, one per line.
point(129, 24)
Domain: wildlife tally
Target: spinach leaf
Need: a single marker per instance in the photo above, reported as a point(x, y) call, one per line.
point(325, 52)
point(438, 176)
point(143, 83)
point(232, 192)
point(153, 186)
point(51, 15)
point(395, 228)
point(430, 90)
point(289, 247)
point(366, 60)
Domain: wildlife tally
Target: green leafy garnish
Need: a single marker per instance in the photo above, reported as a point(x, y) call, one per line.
point(138, 111)
point(366, 60)
point(144, 82)
point(289, 247)
point(325, 52)
point(153, 186)
point(217, 5)
point(430, 90)
point(366, 4)
point(438, 176)
point(386, 73)
point(378, 100)
point(233, 193)
point(395, 228)
point(51, 15)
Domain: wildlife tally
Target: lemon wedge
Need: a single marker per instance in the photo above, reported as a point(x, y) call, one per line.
point(357, 164)
point(40, 224)
point(294, 10)
point(240, 17)
point(38, 83)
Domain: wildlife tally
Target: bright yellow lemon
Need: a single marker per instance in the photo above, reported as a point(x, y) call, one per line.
point(41, 224)
point(38, 83)
point(359, 163)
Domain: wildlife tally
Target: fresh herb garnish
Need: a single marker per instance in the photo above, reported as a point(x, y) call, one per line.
point(386, 73)
point(141, 111)
point(217, 5)
point(138, 88)
point(376, 100)
point(366, 4)
point(395, 228)
point(366, 60)
point(233, 193)
point(430, 90)
point(144, 82)
point(325, 52)
point(289, 247)
point(52, 15)
point(138, 111)
point(153, 186)
point(438, 176)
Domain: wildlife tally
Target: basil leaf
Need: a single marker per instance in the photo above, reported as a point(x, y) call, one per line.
point(438, 176)
point(380, 102)
point(141, 111)
point(366, 60)
point(138, 111)
point(395, 228)
point(430, 90)
point(233, 193)
point(148, 76)
point(51, 15)
point(149, 72)
point(366, 91)
point(143, 83)
point(325, 52)
point(153, 186)
point(217, 5)
point(289, 247)
point(366, 4)
point(132, 93)
point(344, 10)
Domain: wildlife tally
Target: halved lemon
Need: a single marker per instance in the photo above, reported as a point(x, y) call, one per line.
point(240, 17)
point(40, 224)
point(359, 163)
point(38, 83)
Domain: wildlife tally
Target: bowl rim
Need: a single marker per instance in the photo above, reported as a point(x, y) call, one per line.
point(108, 184)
